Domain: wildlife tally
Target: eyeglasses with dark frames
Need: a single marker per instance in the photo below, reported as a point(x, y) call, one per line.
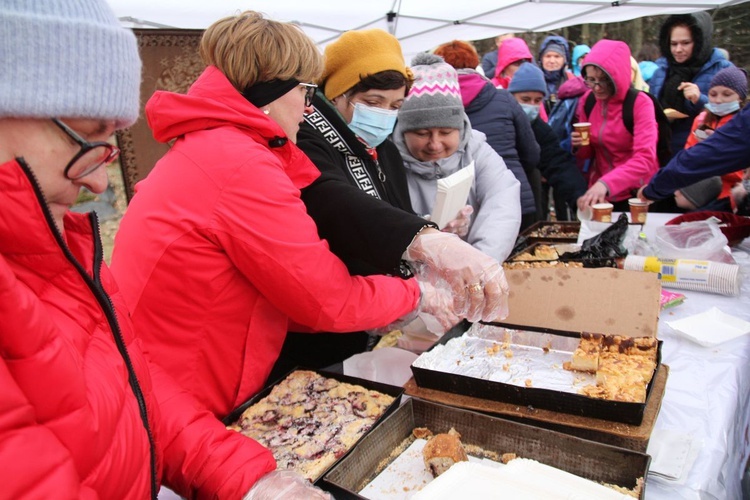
point(91, 156)
point(309, 92)
point(593, 82)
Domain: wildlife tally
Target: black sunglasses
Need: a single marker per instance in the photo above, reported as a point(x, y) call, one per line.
point(91, 156)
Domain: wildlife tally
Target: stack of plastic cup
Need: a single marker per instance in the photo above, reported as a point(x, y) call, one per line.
point(688, 274)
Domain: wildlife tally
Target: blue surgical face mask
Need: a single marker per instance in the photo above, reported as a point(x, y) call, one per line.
point(724, 108)
point(372, 125)
point(531, 110)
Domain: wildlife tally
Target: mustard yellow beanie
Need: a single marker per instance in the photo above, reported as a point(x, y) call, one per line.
point(357, 54)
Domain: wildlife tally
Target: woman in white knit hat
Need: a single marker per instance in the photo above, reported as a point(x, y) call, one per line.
point(435, 139)
point(84, 412)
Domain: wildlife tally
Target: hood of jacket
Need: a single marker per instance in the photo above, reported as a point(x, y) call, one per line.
point(612, 57)
point(578, 52)
point(701, 27)
point(471, 84)
point(443, 167)
point(212, 102)
point(512, 50)
point(559, 40)
point(572, 88)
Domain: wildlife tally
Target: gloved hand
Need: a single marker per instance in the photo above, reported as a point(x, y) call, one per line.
point(286, 485)
point(476, 280)
point(460, 225)
point(436, 307)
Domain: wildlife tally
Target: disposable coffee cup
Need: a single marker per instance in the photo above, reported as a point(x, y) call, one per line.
point(584, 129)
point(638, 210)
point(602, 212)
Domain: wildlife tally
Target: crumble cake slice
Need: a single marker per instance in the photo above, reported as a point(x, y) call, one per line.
point(309, 421)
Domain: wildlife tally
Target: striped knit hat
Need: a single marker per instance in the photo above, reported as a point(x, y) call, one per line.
point(435, 97)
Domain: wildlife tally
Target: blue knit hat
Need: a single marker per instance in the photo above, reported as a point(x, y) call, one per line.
point(67, 58)
point(528, 78)
point(732, 78)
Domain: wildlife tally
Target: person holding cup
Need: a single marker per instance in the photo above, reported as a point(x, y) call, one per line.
point(620, 162)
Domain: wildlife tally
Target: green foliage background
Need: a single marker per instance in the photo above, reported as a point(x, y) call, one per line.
point(731, 32)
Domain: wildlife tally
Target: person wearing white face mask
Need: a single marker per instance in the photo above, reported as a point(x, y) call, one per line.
point(726, 95)
point(361, 203)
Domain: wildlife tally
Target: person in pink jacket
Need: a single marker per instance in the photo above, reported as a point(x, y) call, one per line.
point(622, 162)
point(510, 56)
point(216, 255)
point(84, 412)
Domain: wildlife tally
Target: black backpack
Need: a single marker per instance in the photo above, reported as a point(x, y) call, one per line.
point(663, 148)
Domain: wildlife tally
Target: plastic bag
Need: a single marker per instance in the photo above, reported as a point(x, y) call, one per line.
point(603, 249)
point(700, 240)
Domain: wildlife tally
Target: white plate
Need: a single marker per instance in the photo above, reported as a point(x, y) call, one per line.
point(710, 328)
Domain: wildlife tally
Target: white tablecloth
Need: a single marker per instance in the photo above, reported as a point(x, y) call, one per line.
point(707, 398)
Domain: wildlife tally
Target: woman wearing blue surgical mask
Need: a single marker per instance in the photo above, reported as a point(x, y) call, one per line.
point(726, 96)
point(345, 134)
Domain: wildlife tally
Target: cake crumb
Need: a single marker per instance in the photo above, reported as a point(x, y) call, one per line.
point(507, 457)
point(508, 353)
point(528, 382)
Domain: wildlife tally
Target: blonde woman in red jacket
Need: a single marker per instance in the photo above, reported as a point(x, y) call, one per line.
point(216, 255)
point(84, 413)
point(622, 163)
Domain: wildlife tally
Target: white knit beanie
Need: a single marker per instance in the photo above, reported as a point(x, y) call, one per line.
point(434, 100)
point(67, 58)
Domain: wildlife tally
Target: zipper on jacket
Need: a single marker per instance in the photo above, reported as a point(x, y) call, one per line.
point(608, 157)
point(105, 302)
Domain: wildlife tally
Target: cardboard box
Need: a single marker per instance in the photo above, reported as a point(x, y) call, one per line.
point(605, 300)
point(594, 461)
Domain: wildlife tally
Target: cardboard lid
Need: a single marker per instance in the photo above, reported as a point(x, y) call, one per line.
point(604, 300)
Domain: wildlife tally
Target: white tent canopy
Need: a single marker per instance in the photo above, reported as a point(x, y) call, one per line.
point(419, 24)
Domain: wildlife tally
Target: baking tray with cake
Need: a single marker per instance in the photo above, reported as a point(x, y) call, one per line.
point(310, 419)
point(383, 464)
point(537, 254)
point(552, 231)
point(530, 366)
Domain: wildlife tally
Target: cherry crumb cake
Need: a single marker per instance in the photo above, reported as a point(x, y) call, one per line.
point(309, 421)
point(623, 365)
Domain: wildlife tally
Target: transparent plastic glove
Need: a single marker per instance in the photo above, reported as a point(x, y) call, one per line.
point(476, 280)
point(436, 307)
point(286, 485)
point(460, 225)
point(435, 310)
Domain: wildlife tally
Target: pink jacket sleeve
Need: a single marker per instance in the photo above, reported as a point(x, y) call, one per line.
point(637, 170)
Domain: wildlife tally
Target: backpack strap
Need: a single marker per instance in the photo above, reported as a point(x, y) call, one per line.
point(589, 104)
point(627, 108)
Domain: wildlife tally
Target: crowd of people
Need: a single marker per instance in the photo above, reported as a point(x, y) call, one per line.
point(289, 222)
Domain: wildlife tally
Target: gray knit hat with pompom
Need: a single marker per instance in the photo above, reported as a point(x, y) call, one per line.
point(434, 100)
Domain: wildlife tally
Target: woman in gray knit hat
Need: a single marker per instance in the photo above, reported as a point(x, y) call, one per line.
point(435, 139)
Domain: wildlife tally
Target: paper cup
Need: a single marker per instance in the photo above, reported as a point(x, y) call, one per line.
point(638, 210)
point(602, 212)
point(583, 128)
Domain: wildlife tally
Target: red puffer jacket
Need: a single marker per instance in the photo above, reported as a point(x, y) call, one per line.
point(83, 414)
point(216, 252)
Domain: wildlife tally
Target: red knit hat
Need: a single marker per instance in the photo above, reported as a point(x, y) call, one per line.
point(459, 54)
